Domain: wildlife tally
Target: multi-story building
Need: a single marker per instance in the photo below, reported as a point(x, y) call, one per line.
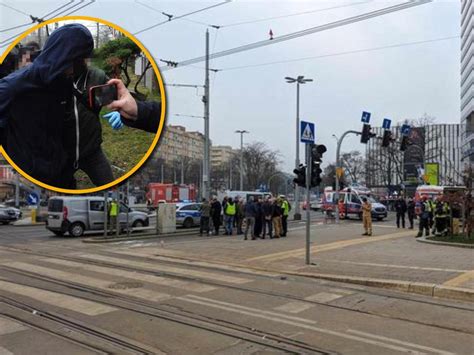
point(389, 167)
point(222, 154)
point(177, 144)
point(467, 79)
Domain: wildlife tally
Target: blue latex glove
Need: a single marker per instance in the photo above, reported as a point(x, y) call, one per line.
point(114, 120)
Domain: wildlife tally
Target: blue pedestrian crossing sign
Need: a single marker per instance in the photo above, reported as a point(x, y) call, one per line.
point(386, 123)
point(365, 117)
point(32, 198)
point(306, 132)
point(405, 130)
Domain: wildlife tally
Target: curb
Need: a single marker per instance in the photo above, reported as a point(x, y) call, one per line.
point(112, 239)
point(458, 245)
point(420, 288)
point(29, 224)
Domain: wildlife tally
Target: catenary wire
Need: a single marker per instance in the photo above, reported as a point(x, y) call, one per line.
point(297, 34)
point(181, 16)
point(14, 9)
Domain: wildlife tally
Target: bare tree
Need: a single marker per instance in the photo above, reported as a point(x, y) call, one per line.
point(260, 163)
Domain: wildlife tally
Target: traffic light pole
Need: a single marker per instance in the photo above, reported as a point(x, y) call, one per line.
point(308, 209)
point(338, 167)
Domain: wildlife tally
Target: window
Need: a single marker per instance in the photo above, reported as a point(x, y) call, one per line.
point(355, 199)
point(96, 206)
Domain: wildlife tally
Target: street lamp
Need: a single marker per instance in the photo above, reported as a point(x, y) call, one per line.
point(298, 80)
point(242, 132)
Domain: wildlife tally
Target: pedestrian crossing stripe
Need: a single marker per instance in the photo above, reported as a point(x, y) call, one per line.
point(307, 133)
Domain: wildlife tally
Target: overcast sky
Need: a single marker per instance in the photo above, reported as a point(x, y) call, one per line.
point(398, 83)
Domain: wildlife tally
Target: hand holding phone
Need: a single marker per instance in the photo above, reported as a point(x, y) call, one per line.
point(102, 95)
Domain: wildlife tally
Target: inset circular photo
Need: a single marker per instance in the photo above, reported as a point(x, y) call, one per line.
point(82, 104)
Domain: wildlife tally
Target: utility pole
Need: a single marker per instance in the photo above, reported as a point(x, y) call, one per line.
point(308, 209)
point(242, 132)
point(205, 172)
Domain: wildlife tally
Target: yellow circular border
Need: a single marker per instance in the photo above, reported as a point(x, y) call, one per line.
point(162, 117)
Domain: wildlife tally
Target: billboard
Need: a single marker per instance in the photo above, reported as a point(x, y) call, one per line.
point(431, 173)
point(413, 167)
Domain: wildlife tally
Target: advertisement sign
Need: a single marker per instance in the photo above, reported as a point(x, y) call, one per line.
point(413, 167)
point(431, 173)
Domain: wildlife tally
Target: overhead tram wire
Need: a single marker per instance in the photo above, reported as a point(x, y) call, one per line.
point(172, 18)
point(406, 44)
point(60, 7)
point(9, 40)
point(311, 30)
point(14, 9)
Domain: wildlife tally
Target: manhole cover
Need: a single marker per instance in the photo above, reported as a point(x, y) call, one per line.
point(125, 285)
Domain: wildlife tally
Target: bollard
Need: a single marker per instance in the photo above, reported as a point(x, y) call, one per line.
point(33, 215)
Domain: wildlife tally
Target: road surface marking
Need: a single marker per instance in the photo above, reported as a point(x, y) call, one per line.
point(324, 297)
point(149, 295)
point(8, 326)
point(171, 269)
point(329, 246)
point(393, 266)
point(238, 309)
point(57, 299)
point(157, 280)
point(251, 309)
point(293, 307)
point(459, 280)
point(4, 351)
point(416, 346)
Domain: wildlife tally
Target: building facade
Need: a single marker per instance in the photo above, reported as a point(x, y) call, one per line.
point(467, 80)
point(177, 144)
point(222, 154)
point(441, 144)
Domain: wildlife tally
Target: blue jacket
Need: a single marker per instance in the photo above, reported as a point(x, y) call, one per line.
point(36, 101)
point(250, 209)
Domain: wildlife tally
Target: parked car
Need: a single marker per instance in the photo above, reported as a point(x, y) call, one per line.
point(11, 203)
point(317, 205)
point(188, 214)
point(9, 214)
point(77, 214)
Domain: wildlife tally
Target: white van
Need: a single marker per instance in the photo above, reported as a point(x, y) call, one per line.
point(77, 214)
point(243, 195)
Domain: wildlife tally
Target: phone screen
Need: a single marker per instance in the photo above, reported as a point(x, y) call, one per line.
point(102, 95)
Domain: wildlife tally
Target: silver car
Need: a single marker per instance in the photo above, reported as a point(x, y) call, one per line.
point(77, 214)
point(9, 214)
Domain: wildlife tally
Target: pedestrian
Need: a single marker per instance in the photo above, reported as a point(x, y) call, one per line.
point(441, 218)
point(267, 218)
point(229, 214)
point(285, 205)
point(205, 214)
point(258, 218)
point(216, 210)
point(401, 209)
point(240, 215)
point(411, 212)
point(276, 218)
point(113, 213)
point(250, 213)
point(424, 218)
point(367, 216)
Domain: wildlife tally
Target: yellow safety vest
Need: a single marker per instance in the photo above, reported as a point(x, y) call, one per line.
point(230, 209)
point(113, 209)
point(286, 208)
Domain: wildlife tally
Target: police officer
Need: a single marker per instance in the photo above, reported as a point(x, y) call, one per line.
point(113, 213)
point(286, 207)
point(401, 208)
point(229, 214)
point(424, 218)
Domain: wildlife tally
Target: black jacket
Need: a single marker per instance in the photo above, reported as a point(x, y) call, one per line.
point(148, 118)
point(400, 206)
point(35, 102)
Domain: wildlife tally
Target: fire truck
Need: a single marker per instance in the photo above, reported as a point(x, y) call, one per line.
point(158, 193)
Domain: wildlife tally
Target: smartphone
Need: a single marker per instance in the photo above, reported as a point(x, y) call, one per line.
point(102, 95)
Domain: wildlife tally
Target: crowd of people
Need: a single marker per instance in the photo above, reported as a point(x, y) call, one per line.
point(252, 218)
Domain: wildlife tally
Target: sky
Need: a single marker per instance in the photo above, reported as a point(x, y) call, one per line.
point(401, 82)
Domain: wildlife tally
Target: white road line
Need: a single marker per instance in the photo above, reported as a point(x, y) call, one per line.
point(396, 341)
point(234, 309)
point(293, 307)
point(156, 280)
point(251, 309)
point(174, 270)
point(8, 326)
point(56, 299)
point(149, 295)
point(324, 297)
point(395, 266)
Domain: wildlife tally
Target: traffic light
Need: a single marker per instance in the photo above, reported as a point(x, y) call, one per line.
point(366, 133)
point(317, 151)
point(300, 178)
point(404, 143)
point(387, 137)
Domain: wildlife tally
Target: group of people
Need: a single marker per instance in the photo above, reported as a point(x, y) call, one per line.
point(254, 218)
point(434, 215)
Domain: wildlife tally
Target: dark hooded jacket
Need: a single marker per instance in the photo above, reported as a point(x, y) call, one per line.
point(36, 101)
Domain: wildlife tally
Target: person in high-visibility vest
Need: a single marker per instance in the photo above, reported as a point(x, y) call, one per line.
point(113, 213)
point(286, 207)
point(229, 214)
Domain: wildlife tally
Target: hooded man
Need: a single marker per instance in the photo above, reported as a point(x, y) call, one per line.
point(35, 103)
